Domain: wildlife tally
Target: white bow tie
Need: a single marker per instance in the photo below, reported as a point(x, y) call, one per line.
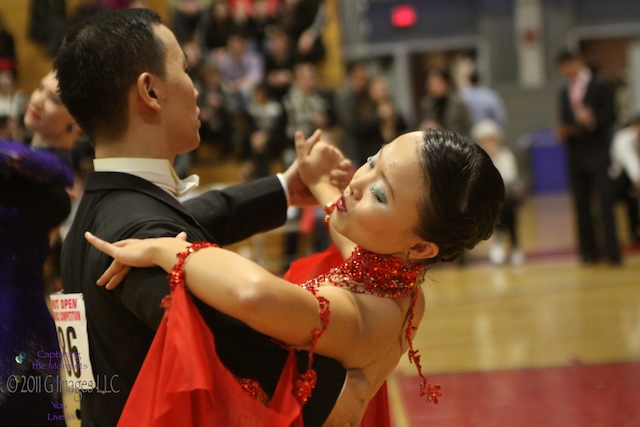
point(183, 186)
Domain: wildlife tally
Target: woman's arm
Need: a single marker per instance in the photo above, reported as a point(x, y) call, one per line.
point(358, 325)
point(315, 173)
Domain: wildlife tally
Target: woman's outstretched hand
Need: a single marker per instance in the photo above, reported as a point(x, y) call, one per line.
point(318, 160)
point(128, 253)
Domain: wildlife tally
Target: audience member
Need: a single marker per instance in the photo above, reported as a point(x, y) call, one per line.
point(483, 102)
point(265, 133)
point(625, 171)
point(587, 117)
point(265, 14)
point(241, 70)
point(12, 100)
point(214, 28)
point(185, 16)
point(390, 122)
point(489, 135)
point(8, 59)
point(216, 127)
point(195, 62)
point(47, 23)
point(7, 127)
point(354, 109)
point(278, 66)
point(85, 9)
point(441, 107)
point(306, 107)
point(303, 21)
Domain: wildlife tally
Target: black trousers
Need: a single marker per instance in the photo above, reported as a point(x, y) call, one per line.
point(593, 198)
point(624, 191)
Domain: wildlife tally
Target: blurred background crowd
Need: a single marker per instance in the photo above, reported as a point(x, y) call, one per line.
point(364, 72)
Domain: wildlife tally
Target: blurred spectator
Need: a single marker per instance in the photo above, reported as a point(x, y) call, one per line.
point(303, 21)
point(354, 109)
point(441, 107)
point(265, 13)
point(278, 62)
point(85, 9)
point(214, 28)
point(483, 102)
point(266, 133)
point(8, 59)
point(241, 70)
point(587, 117)
point(185, 16)
point(488, 134)
point(48, 23)
point(244, 22)
point(390, 123)
point(625, 171)
point(216, 125)
point(195, 62)
point(7, 127)
point(12, 100)
point(306, 107)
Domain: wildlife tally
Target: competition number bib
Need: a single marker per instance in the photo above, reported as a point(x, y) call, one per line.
point(70, 317)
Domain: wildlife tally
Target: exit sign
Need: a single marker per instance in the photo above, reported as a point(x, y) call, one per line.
point(404, 16)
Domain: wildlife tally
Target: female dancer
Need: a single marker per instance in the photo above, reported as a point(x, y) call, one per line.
point(33, 200)
point(423, 198)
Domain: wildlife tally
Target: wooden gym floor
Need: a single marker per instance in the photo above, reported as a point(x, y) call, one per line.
point(549, 343)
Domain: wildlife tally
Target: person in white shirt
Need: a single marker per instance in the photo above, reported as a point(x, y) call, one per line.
point(488, 134)
point(625, 172)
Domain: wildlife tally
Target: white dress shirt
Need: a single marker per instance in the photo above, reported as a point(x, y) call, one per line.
point(625, 153)
point(157, 171)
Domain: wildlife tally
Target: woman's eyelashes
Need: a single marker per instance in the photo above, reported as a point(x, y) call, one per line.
point(378, 194)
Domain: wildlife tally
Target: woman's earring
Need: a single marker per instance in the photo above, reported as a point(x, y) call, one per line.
point(71, 128)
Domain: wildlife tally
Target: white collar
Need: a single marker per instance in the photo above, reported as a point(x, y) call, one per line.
point(157, 171)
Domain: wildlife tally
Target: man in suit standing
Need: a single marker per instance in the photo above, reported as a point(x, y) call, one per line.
point(123, 77)
point(587, 117)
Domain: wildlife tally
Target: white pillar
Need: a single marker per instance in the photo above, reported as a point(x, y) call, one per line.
point(634, 71)
point(528, 29)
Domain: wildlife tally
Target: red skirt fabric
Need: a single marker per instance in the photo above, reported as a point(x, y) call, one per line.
point(377, 414)
point(183, 383)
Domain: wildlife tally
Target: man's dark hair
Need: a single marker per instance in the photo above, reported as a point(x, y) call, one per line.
point(567, 55)
point(99, 61)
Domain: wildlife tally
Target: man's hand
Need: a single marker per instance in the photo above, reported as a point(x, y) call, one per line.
point(353, 402)
point(315, 160)
point(584, 115)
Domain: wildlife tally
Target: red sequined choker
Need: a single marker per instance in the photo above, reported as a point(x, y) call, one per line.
point(383, 276)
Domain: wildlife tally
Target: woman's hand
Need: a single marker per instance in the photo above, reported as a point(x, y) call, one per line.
point(318, 160)
point(327, 160)
point(131, 253)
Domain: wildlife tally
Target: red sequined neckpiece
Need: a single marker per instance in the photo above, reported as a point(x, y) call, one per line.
point(383, 276)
